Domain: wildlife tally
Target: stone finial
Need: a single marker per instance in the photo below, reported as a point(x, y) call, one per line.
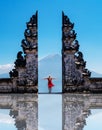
point(31, 34)
point(68, 36)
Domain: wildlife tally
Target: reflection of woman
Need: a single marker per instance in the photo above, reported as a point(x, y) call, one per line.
point(50, 84)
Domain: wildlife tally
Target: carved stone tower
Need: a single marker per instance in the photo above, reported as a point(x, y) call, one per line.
point(74, 73)
point(25, 74)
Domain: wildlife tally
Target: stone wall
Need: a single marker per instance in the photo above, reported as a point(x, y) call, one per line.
point(6, 85)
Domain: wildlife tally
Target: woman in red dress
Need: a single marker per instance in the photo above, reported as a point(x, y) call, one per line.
point(50, 84)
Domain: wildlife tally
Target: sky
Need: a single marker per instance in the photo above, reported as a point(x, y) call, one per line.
point(85, 14)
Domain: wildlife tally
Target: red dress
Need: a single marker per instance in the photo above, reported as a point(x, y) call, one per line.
point(50, 84)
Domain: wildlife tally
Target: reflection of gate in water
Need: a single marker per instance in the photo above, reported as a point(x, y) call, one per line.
point(77, 107)
point(23, 108)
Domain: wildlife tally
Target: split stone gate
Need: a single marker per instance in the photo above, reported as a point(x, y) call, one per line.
point(80, 91)
point(75, 75)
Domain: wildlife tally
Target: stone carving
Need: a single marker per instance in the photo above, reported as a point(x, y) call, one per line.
point(67, 23)
point(28, 45)
point(21, 61)
point(74, 71)
point(13, 73)
point(76, 45)
point(79, 60)
point(69, 35)
point(26, 67)
point(30, 41)
point(86, 72)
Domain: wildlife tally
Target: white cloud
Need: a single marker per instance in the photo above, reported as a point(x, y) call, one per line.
point(6, 68)
point(6, 119)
